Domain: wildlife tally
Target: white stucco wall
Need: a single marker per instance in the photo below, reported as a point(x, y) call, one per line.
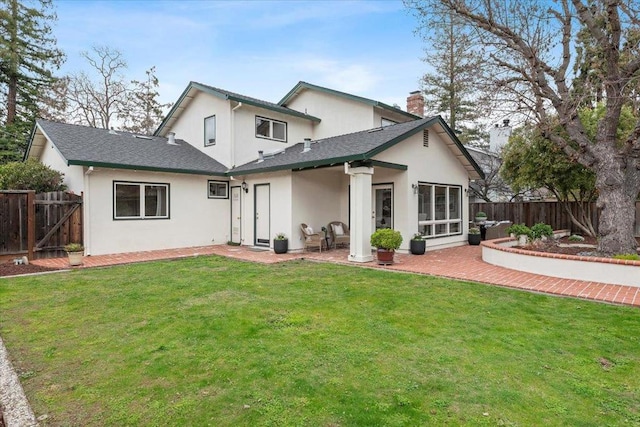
point(280, 205)
point(247, 144)
point(339, 115)
point(434, 164)
point(73, 175)
point(195, 220)
point(190, 126)
point(320, 196)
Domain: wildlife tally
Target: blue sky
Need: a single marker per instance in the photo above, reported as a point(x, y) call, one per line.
point(256, 48)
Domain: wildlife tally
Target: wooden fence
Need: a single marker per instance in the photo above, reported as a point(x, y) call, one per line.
point(530, 213)
point(38, 225)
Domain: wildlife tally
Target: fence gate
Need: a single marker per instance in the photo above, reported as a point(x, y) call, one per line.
point(38, 225)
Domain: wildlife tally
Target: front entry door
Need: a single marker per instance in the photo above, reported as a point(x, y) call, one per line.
point(262, 217)
point(382, 210)
point(236, 216)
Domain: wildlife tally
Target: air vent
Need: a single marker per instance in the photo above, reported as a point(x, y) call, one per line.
point(425, 138)
point(143, 137)
point(374, 130)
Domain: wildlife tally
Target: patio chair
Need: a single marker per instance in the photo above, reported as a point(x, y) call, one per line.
point(311, 239)
point(498, 230)
point(339, 232)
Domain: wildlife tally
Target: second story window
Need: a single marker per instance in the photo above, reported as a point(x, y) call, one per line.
point(271, 129)
point(210, 130)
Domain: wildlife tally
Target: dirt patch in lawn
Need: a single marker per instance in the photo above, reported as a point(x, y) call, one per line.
point(8, 268)
point(567, 247)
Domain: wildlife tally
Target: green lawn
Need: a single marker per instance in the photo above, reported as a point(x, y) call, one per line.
point(211, 341)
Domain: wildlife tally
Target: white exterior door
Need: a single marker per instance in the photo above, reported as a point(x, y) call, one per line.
point(262, 217)
point(236, 215)
point(382, 209)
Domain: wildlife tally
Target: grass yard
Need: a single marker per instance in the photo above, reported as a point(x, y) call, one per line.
point(211, 341)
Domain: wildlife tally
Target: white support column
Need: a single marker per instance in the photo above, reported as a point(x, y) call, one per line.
point(360, 218)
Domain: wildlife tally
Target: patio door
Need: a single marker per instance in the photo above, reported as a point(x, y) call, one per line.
point(236, 215)
point(262, 217)
point(382, 209)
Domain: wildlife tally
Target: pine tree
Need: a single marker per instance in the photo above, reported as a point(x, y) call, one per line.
point(28, 58)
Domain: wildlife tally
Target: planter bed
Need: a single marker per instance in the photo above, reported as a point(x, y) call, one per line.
point(501, 252)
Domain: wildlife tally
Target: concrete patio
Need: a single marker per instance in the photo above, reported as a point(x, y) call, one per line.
point(461, 263)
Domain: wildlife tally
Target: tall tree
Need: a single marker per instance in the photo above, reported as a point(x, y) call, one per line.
point(533, 47)
point(99, 102)
point(28, 58)
point(144, 112)
point(452, 88)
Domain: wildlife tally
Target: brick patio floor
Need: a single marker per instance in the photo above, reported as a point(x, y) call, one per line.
point(462, 263)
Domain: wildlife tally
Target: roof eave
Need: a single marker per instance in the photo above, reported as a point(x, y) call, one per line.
point(144, 168)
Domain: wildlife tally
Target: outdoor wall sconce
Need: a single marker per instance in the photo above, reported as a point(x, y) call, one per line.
point(245, 187)
point(415, 188)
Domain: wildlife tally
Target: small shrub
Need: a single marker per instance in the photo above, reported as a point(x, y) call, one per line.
point(628, 257)
point(474, 230)
point(386, 238)
point(418, 237)
point(541, 230)
point(281, 236)
point(519, 230)
point(30, 175)
point(576, 238)
point(74, 247)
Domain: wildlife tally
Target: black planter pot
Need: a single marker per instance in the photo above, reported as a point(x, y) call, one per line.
point(474, 239)
point(418, 247)
point(280, 246)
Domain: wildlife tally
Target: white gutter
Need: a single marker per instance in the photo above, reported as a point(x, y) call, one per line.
point(86, 211)
point(232, 147)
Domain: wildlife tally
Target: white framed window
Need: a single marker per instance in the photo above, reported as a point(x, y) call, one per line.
point(439, 210)
point(271, 129)
point(140, 200)
point(218, 189)
point(210, 130)
point(387, 122)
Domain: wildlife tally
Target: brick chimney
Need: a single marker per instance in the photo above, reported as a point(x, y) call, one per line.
point(415, 103)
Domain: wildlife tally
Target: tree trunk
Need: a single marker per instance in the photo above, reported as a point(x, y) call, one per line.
point(617, 216)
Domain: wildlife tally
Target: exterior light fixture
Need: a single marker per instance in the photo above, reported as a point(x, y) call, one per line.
point(245, 187)
point(415, 188)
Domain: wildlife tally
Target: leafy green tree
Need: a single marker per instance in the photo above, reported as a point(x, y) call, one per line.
point(541, 52)
point(531, 162)
point(30, 175)
point(28, 57)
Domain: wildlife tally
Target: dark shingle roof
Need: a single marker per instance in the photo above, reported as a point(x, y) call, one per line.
point(357, 146)
point(82, 145)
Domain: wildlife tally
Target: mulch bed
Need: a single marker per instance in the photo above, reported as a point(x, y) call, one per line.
point(552, 246)
point(8, 268)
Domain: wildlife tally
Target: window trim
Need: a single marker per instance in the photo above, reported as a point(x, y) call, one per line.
point(215, 131)
point(271, 122)
point(212, 181)
point(447, 221)
point(141, 185)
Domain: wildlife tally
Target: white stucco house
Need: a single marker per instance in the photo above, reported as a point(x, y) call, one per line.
point(224, 167)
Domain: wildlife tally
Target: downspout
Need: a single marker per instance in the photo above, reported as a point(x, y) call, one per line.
point(232, 145)
point(86, 211)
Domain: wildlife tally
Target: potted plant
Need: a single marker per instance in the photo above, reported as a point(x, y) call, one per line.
point(520, 232)
point(480, 216)
point(418, 244)
point(474, 236)
point(280, 244)
point(75, 251)
point(386, 240)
